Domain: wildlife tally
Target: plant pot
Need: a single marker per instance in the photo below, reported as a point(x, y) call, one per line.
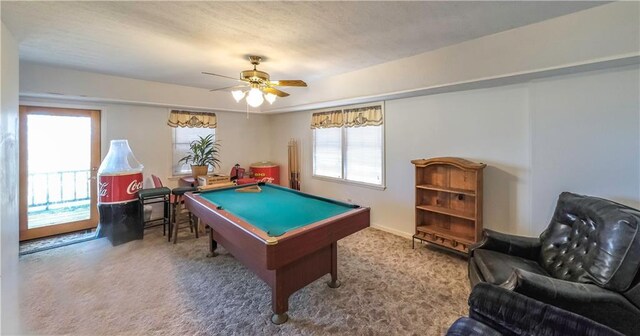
point(199, 171)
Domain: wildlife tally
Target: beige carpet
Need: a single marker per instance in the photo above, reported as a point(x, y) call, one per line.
point(153, 287)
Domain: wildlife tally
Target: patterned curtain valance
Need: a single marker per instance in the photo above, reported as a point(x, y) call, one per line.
point(192, 119)
point(365, 116)
point(329, 119)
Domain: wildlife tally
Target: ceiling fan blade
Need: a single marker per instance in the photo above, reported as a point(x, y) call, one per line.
point(288, 82)
point(275, 91)
point(223, 76)
point(228, 87)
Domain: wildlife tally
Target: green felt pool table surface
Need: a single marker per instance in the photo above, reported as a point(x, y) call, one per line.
point(276, 210)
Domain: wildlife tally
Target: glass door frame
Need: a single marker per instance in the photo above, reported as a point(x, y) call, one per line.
point(92, 222)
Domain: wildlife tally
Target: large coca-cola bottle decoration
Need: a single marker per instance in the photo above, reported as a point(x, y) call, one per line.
point(119, 180)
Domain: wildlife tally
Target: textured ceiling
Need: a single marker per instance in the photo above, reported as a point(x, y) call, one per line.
point(173, 42)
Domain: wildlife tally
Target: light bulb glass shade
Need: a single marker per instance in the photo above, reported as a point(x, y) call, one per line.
point(254, 98)
point(237, 95)
point(270, 97)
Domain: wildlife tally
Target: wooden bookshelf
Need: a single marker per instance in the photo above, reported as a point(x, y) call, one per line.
point(448, 202)
point(444, 189)
point(435, 232)
point(446, 211)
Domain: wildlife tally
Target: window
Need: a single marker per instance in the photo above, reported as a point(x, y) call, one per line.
point(327, 152)
point(363, 154)
point(350, 150)
point(182, 137)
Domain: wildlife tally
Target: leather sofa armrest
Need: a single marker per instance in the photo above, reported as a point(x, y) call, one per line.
point(596, 303)
point(513, 313)
point(524, 247)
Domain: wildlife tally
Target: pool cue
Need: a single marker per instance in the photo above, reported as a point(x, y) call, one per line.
point(295, 182)
point(289, 168)
point(292, 164)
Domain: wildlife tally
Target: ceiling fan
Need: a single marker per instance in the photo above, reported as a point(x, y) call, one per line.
point(258, 83)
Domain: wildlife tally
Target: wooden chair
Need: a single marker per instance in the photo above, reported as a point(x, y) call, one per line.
point(176, 199)
point(178, 195)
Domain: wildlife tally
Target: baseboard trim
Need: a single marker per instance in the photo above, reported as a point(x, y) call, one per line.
point(392, 231)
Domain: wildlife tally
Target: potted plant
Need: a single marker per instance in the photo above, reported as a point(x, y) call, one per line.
point(205, 152)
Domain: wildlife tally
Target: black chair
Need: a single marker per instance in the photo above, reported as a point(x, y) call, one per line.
point(587, 261)
point(153, 196)
point(496, 311)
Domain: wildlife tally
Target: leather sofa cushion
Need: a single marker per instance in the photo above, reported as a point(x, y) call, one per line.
point(496, 267)
point(465, 326)
point(512, 313)
point(592, 240)
point(633, 294)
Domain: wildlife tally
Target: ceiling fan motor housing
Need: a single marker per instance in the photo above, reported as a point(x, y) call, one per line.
point(254, 76)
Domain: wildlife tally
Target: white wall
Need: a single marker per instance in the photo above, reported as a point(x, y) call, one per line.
point(243, 139)
point(37, 80)
point(9, 321)
point(569, 118)
point(586, 138)
point(488, 125)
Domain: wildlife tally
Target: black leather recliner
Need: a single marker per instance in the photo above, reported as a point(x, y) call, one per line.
point(495, 311)
point(587, 261)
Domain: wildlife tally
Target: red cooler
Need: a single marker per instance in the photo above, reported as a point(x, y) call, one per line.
point(266, 169)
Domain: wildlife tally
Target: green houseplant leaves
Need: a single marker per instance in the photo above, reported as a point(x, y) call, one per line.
point(204, 152)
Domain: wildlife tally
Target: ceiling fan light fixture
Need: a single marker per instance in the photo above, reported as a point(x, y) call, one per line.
point(237, 95)
point(270, 97)
point(255, 98)
point(260, 84)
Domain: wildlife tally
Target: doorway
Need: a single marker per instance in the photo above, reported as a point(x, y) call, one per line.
point(59, 159)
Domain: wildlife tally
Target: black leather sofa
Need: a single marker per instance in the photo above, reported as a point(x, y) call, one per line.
point(587, 261)
point(495, 311)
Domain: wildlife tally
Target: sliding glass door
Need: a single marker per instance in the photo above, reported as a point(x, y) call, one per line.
point(59, 158)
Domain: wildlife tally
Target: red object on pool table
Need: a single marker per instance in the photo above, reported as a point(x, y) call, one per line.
point(288, 262)
point(266, 169)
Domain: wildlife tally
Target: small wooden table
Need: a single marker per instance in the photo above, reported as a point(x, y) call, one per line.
point(189, 181)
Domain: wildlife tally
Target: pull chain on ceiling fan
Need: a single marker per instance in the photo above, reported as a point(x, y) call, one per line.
point(260, 86)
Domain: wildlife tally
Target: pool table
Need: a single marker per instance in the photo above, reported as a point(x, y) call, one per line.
point(286, 237)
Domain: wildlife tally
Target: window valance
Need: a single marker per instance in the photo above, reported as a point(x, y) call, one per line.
point(192, 119)
point(365, 116)
point(350, 117)
point(331, 119)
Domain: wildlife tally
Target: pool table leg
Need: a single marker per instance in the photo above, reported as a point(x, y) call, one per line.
point(280, 305)
point(334, 283)
point(213, 245)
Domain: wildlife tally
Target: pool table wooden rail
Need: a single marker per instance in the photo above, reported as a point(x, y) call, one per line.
point(286, 263)
point(305, 240)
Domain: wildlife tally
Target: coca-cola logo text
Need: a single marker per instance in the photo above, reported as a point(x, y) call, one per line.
point(102, 189)
point(119, 188)
point(133, 187)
